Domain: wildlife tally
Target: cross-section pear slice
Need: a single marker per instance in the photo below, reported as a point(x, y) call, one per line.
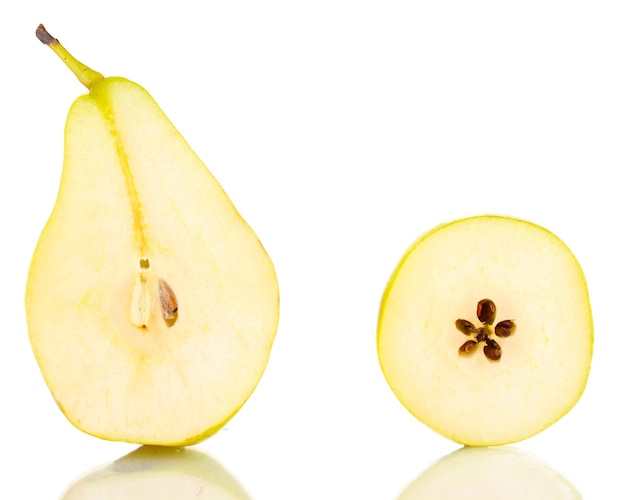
point(485, 331)
point(151, 304)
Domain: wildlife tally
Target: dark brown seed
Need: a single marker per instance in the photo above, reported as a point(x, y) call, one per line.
point(505, 328)
point(486, 311)
point(468, 346)
point(482, 334)
point(492, 350)
point(465, 326)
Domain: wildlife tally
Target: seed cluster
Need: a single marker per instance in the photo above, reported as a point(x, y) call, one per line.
point(486, 312)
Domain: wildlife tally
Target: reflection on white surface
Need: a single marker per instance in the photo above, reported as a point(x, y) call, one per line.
point(490, 474)
point(158, 473)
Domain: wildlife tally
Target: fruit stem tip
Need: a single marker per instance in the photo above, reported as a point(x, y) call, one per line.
point(45, 37)
point(85, 75)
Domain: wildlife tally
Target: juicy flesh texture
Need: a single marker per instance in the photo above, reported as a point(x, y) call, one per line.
point(132, 189)
point(534, 280)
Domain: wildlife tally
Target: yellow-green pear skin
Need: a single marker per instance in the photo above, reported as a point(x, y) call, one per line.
point(151, 304)
point(485, 330)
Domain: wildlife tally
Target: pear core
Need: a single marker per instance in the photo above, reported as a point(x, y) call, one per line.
point(543, 311)
point(151, 304)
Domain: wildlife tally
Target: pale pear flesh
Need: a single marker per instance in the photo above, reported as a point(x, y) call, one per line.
point(136, 207)
point(533, 279)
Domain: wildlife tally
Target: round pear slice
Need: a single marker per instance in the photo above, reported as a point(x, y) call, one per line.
point(485, 331)
point(151, 304)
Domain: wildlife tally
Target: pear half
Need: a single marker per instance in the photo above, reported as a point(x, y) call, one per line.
point(151, 304)
point(485, 331)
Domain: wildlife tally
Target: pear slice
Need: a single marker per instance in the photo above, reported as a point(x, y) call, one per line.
point(151, 304)
point(485, 331)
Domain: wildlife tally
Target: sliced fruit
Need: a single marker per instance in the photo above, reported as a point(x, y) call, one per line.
point(485, 331)
point(151, 304)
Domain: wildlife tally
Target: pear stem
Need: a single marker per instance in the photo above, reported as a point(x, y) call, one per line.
point(85, 75)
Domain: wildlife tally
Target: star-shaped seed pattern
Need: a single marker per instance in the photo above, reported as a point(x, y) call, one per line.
point(486, 312)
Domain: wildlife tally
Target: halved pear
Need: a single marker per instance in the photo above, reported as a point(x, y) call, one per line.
point(485, 331)
point(151, 304)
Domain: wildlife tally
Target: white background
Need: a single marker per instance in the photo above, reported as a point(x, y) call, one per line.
point(341, 130)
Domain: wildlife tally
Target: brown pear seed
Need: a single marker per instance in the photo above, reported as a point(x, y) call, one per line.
point(468, 346)
point(492, 350)
point(169, 302)
point(505, 328)
point(486, 311)
point(465, 327)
